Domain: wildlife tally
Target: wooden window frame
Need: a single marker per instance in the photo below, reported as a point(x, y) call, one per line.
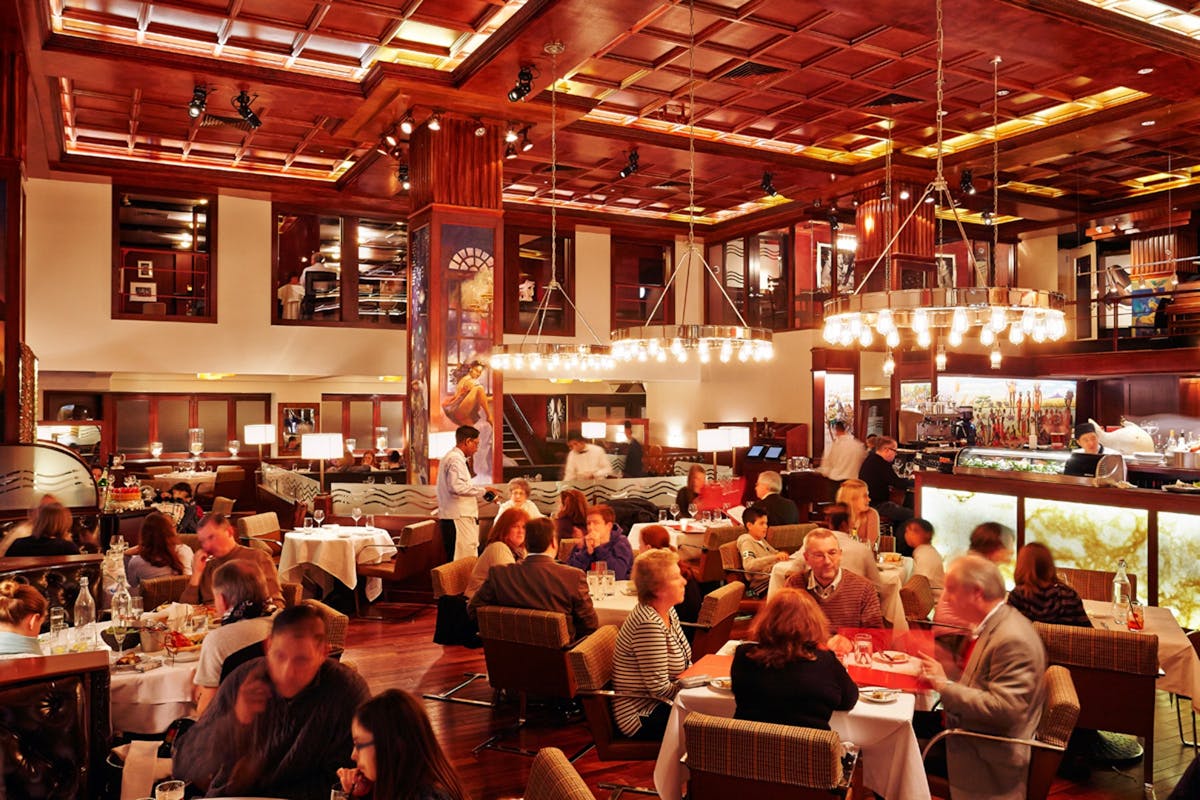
point(668, 305)
point(193, 399)
point(377, 401)
point(512, 271)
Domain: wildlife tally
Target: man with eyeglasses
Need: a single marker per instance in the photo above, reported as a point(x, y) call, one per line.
point(848, 600)
point(877, 472)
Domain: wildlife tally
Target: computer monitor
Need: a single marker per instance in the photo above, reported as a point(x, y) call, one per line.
point(755, 451)
point(774, 453)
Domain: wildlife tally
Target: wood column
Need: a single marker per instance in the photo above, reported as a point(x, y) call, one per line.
point(456, 253)
point(876, 220)
point(14, 78)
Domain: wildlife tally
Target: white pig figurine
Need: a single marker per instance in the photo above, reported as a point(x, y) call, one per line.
point(1128, 439)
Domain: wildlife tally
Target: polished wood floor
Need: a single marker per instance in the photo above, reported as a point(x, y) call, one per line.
point(401, 654)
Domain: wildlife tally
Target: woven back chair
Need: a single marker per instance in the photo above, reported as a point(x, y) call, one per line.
point(709, 567)
point(553, 778)
point(789, 538)
point(1094, 584)
point(736, 758)
point(261, 531)
point(223, 505)
point(917, 596)
point(592, 664)
point(452, 577)
point(715, 623)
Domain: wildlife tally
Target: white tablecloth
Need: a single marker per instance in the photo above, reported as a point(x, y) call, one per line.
point(1176, 656)
point(891, 578)
point(193, 479)
point(890, 755)
point(613, 610)
point(334, 554)
point(693, 539)
point(147, 702)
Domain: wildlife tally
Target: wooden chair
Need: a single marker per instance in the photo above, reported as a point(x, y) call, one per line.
point(592, 663)
point(1114, 673)
point(1060, 710)
point(736, 758)
point(553, 778)
point(261, 531)
point(227, 481)
point(917, 596)
point(169, 588)
point(715, 623)
point(450, 582)
point(731, 561)
point(526, 652)
point(414, 547)
point(709, 566)
point(1093, 584)
point(223, 505)
point(567, 546)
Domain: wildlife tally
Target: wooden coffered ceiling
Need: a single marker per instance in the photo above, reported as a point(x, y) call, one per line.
point(1096, 113)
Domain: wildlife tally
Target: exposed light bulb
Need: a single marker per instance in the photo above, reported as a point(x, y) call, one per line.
point(940, 359)
point(1016, 334)
point(893, 338)
point(865, 337)
point(923, 338)
point(955, 338)
point(986, 336)
point(999, 318)
point(889, 365)
point(995, 358)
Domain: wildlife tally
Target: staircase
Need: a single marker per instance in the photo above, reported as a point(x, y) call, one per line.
point(512, 446)
point(517, 438)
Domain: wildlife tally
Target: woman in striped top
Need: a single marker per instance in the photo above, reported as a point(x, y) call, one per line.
point(651, 649)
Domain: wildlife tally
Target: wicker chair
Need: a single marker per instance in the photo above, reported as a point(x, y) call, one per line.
point(336, 623)
point(917, 596)
point(553, 778)
point(169, 588)
point(731, 561)
point(715, 623)
point(1114, 673)
point(1060, 710)
point(450, 580)
point(710, 568)
point(1092, 584)
point(789, 538)
point(228, 480)
point(736, 758)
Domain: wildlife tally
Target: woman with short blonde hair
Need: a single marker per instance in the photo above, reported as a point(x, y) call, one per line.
point(864, 520)
point(518, 497)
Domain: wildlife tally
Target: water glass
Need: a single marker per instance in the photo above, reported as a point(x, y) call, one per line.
point(356, 514)
point(336, 793)
point(594, 585)
point(370, 520)
point(610, 583)
point(169, 790)
point(136, 606)
point(318, 516)
point(308, 523)
point(864, 648)
point(1136, 620)
point(662, 515)
point(600, 566)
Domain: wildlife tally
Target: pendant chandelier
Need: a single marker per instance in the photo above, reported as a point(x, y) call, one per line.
point(562, 359)
point(658, 342)
point(955, 313)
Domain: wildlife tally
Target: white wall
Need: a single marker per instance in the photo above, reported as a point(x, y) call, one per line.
point(69, 301)
point(1037, 262)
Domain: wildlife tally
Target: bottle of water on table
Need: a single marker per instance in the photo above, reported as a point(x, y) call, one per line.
point(1121, 594)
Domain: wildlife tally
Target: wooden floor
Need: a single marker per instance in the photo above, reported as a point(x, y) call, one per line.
point(401, 654)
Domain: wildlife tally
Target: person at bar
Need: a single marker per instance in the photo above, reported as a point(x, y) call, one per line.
point(779, 509)
point(844, 456)
point(585, 461)
point(879, 475)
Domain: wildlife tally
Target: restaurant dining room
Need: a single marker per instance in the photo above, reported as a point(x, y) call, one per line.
point(560, 400)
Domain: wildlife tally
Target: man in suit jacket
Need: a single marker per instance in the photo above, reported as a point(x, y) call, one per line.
point(1001, 690)
point(779, 510)
point(540, 582)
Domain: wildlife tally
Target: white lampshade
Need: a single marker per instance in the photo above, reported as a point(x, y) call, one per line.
point(321, 445)
point(712, 440)
point(258, 434)
point(593, 430)
point(738, 436)
point(440, 443)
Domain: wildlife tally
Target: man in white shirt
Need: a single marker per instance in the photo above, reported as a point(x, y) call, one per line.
point(458, 506)
point(844, 456)
point(585, 461)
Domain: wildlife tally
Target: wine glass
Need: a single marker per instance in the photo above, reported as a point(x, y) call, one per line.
point(675, 511)
point(319, 516)
point(692, 510)
point(356, 514)
point(121, 622)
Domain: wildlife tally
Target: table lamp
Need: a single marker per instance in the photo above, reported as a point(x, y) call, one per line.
point(739, 436)
point(321, 446)
point(259, 435)
point(712, 440)
point(593, 430)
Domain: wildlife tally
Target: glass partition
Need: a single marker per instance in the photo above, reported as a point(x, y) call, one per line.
point(383, 272)
point(163, 259)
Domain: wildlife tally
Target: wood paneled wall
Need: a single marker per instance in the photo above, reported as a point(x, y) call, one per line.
point(1150, 254)
point(455, 167)
point(13, 101)
point(876, 220)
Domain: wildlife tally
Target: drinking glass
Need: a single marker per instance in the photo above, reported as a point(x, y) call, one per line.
point(369, 480)
point(350, 445)
point(58, 630)
point(356, 514)
point(675, 511)
point(169, 790)
point(600, 566)
point(594, 585)
point(370, 520)
point(120, 629)
point(136, 606)
point(195, 441)
point(864, 648)
point(388, 480)
point(308, 523)
point(336, 793)
point(610, 583)
point(662, 515)
point(1136, 620)
point(234, 447)
point(691, 510)
point(318, 516)
point(381, 440)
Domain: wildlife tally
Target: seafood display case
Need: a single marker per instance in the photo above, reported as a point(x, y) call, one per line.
point(1048, 466)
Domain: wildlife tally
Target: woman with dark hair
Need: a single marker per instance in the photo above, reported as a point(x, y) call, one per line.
point(787, 676)
point(49, 536)
point(1040, 595)
point(159, 552)
point(571, 520)
point(505, 545)
point(697, 477)
point(396, 754)
point(22, 610)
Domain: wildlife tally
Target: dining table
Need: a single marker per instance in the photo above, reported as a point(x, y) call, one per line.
point(1176, 656)
point(614, 608)
point(892, 576)
point(193, 479)
point(883, 732)
point(331, 552)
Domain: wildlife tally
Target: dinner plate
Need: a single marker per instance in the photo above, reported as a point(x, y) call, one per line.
point(878, 694)
point(891, 657)
point(186, 656)
point(722, 685)
point(1181, 488)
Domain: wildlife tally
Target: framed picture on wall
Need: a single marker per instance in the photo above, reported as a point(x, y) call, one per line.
point(945, 270)
point(145, 269)
point(826, 266)
point(295, 420)
point(143, 292)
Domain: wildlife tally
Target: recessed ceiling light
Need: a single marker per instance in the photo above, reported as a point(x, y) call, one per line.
point(1003, 92)
point(1145, 70)
point(1146, 123)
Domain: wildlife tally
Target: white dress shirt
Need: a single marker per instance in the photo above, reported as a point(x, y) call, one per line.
point(592, 463)
point(843, 458)
point(455, 492)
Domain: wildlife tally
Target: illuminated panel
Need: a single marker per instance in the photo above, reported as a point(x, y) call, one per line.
point(1087, 536)
point(955, 514)
point(1179, 567)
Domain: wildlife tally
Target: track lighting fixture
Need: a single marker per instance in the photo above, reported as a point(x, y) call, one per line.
point(631, 164)
point(966, 182)
point(834, 223)
point(402, 176)
point(435, 121)
point(390, 138)
point(904, 194)
point(510, 151)
point(768, 184)
point(989, 218)
point(480, 128)
point(524, 84)
point(511, 135)
point(526, 144)
point(406, 124)
point(241, 104)
point(199, 101)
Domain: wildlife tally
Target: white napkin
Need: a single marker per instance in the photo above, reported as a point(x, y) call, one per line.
point(735, 514)
point(142, 768)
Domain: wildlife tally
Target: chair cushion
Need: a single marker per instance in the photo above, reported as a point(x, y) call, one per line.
point(452, 578)
point(553, 778)
point(258, 525)
point(1119, 651)
point(591, 660)
point(721, 603)
point(523, 626)
point(761, 751)
point(416, 533)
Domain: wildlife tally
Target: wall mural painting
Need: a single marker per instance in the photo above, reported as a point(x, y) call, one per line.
point(465, 396)
point(418, 358)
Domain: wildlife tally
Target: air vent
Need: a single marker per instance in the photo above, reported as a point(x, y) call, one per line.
point(561, 169)
point(214, 120)
point(750, 69)
point(892, 99)
point(668, 186)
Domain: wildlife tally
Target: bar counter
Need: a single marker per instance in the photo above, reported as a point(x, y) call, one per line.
point(1156, 532)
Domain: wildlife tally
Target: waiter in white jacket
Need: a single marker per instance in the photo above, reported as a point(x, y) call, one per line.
point(458, 503)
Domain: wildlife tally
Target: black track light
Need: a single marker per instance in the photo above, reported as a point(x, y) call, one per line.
point(524, 85)
point(480, 128)
point(834, 223)
point(512, 134)
point(242, 104)
point(402, 176)
point(389, 136)
point(631, 164)
point(406, 124)
point(199, 101)
point(966, 182)
point(768, 184)
point(435, 121)
point(510, 150)
point(526, 144)
point(989, 218)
